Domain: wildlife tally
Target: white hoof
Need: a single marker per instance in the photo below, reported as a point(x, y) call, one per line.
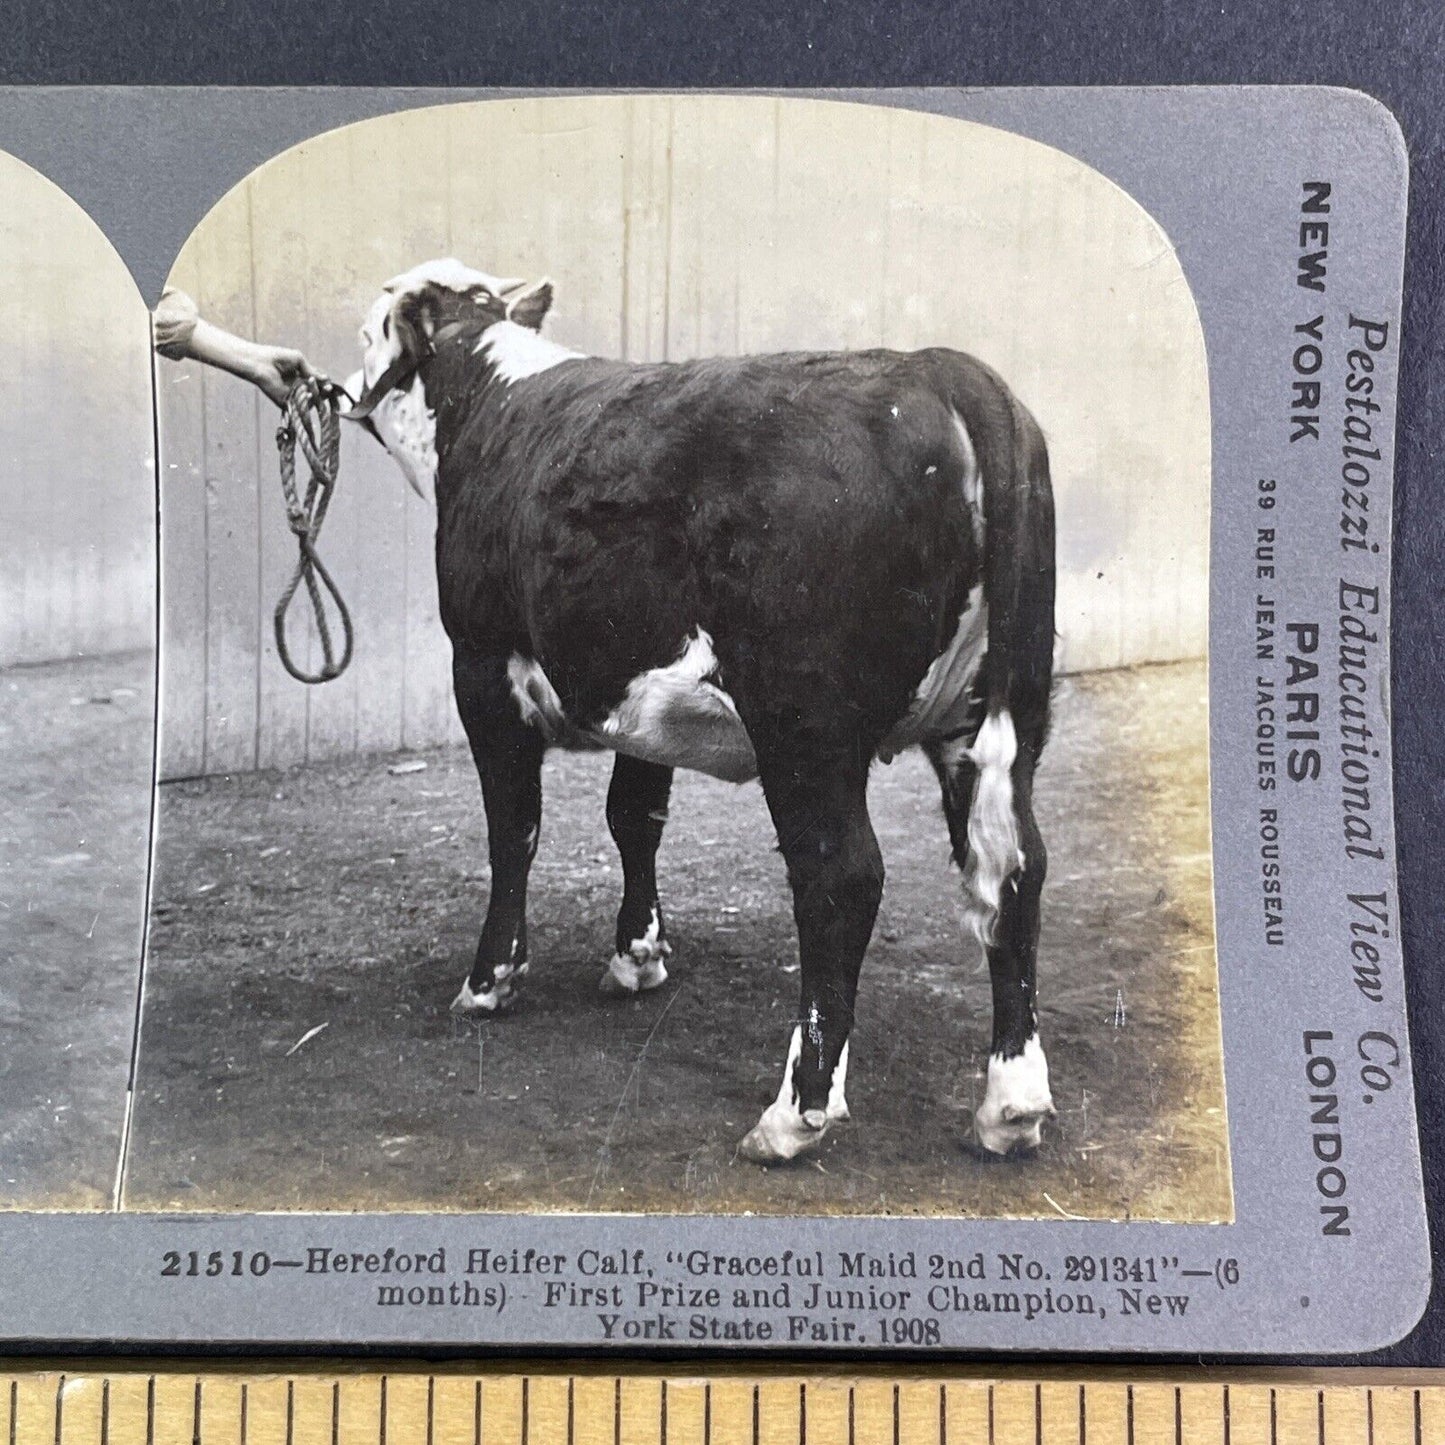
point(641, 967)
point(500, 996)
point(471, 1005)
point(1016, 1102)
point(784, 1131)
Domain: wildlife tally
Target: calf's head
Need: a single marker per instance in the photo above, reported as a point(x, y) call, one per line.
point(415, 314)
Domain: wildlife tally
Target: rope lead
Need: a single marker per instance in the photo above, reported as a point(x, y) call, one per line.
point(311, 423)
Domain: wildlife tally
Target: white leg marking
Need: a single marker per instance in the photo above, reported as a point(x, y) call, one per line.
point(837, 1104)
point(1016, 1102)
point(993, 830)
point(501, 995)
point(642, 966)
point(784, 1131)
point(505, 971)
point(469, 1005)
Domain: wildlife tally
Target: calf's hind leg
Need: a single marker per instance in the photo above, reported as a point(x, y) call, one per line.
point(988, 801)
point(508, 755)
point(820, 809)
point(636, 816)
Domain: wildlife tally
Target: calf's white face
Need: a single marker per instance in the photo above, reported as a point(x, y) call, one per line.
point(395, 325)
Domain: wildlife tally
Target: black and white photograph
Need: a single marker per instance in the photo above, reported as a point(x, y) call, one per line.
point(720, 726)
point(77, 693)
point(753, 754)
point(758, 720)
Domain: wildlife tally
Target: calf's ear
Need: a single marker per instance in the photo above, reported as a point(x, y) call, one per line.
point(531, 306)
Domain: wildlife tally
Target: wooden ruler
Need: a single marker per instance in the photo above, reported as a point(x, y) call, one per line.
point(109, 1404)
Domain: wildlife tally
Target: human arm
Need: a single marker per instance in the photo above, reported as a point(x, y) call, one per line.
point(182, 334)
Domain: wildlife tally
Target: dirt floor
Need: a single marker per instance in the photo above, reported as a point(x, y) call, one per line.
point(75, 796)
point(311, 928)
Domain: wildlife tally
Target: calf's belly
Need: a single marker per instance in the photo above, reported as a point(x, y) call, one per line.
point(679, 717)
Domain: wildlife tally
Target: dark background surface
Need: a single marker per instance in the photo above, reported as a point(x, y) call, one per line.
point(1392, 50)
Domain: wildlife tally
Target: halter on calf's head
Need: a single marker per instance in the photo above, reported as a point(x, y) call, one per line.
point(415, 314)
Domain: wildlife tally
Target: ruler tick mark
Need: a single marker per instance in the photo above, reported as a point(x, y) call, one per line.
point(105, 1411)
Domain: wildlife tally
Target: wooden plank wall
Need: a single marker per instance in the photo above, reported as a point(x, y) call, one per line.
point(672, 227)
point(77, 470)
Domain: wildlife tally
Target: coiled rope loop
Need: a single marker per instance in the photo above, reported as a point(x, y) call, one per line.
point(311, 423)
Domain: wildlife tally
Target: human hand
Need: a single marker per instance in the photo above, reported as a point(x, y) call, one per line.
point(276, 369)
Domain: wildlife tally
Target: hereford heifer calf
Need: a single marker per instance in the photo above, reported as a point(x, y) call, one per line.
point(779, 567)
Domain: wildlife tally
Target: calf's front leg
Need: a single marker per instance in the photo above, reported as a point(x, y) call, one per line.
point(636, 816)
point(508, 755)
